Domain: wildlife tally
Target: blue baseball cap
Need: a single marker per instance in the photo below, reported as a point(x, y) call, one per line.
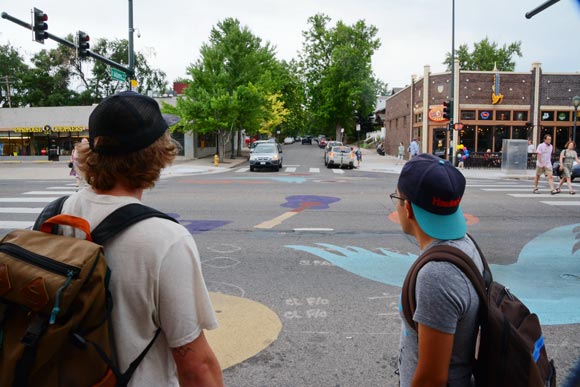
point(435, 188)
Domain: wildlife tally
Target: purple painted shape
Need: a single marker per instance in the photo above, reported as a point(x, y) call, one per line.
point(314, 202)
point(199, 226)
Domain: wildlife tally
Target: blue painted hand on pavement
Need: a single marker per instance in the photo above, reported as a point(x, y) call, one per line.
point(546, 276)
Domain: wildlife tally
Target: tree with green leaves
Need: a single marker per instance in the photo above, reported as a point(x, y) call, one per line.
point(101, 84)
point(485, 56)
point(336, 64)
point(12, 70)
point(231, 85)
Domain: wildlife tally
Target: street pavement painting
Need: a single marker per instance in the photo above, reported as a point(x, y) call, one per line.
point(245, 328)
point(299, 203)
point(546, 276)
point(199, 226)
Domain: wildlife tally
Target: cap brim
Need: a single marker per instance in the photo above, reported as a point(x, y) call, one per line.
point(171, 119)
point(444, 227)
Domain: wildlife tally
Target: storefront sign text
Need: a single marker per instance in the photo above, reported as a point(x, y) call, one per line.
point(48, 128)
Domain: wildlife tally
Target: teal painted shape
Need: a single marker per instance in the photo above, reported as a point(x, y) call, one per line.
point(546, 276)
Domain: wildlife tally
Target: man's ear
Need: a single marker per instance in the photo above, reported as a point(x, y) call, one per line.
point(409, 210)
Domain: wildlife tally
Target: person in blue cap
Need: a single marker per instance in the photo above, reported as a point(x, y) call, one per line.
point(441, 351)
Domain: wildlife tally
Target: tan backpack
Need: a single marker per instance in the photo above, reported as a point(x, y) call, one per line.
point(55, 306)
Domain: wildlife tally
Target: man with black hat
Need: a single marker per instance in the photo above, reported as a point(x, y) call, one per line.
point(156, 279)
point(440, 352)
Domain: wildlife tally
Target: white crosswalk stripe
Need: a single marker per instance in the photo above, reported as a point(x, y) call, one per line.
point(20, 210)
point(290, 169)
point(338, 171)
point(314, 170)
point(49, 193)
point(525, 191)
point(7, 224)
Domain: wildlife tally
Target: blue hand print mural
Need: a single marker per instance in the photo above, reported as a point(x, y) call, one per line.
point(546, 275)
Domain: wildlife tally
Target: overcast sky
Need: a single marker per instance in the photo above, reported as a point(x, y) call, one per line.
point(413, 33)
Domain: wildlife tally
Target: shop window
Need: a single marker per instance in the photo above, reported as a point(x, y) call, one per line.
point(501, 133)
point(521, 133)
point(562, 137)
point(520, 116)
point(180, 138)
point(563, 116)
point(547, 116)
point(486, 115)
point(468, 114)
point(503, 115)
point(484, 137)
point(419, 117)
point(206, 140)
point(467, 135)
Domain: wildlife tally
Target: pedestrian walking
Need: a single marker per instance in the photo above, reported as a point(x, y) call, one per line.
point(358, 154)
point(440, 350)
point(414, 148)
point(156, 280)
point(73, 165)
point(567, 158)
point(544, 164)
point(400, 151)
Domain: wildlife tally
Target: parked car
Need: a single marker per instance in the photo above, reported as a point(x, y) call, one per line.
point(341, 156)
point(307, 140)
point(328, 147)
point(575, 170)
point(266, 155)
point(289, 140)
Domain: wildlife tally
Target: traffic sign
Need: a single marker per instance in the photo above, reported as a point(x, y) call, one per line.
point(118, 75)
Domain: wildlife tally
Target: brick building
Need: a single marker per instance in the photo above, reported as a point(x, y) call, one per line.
point(491, 106)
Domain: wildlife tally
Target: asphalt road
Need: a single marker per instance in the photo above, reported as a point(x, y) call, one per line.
point(321, 249)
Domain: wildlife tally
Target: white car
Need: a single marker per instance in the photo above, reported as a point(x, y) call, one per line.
point(289, 140)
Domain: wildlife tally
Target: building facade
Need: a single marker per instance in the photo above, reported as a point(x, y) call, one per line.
point(42, 132)
point(490, 106)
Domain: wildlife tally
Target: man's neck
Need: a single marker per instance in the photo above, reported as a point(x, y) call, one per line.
point(121, 190)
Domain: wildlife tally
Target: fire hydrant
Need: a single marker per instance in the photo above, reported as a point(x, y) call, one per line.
point(216, 160)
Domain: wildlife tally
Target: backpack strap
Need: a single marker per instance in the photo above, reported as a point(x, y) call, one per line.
point(52, 209)
point(124, 217)
point(442, 253)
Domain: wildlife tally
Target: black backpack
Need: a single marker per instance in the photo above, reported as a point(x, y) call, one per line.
point(511, 349)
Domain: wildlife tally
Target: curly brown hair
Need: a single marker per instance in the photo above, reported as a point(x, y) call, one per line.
point(136, 170)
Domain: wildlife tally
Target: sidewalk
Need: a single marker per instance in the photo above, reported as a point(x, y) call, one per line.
point(373, 162)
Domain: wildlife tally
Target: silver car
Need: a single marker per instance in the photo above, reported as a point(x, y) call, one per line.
point(341, 156)
point(266, 155)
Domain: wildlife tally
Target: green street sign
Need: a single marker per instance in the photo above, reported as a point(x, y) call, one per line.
point(118, 75)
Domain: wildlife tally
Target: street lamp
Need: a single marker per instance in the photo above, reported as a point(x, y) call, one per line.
point(576, 102)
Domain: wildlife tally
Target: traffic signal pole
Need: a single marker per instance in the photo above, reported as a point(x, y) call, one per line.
point(452, 94)
point(128, 71)
point(131, 48)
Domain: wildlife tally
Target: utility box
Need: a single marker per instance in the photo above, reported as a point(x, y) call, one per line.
point(514, 157)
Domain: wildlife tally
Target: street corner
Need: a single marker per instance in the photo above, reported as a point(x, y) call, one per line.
point(246, 328)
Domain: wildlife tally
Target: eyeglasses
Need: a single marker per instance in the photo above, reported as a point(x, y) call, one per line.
point(396, 199)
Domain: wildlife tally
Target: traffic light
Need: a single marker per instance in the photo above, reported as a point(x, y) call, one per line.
point(40, 26)
point(83, 44)
point(448, 110)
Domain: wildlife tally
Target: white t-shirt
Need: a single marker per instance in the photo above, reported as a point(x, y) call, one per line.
point(156, 281)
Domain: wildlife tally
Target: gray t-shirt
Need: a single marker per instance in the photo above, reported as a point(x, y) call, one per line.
point(448, 302)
